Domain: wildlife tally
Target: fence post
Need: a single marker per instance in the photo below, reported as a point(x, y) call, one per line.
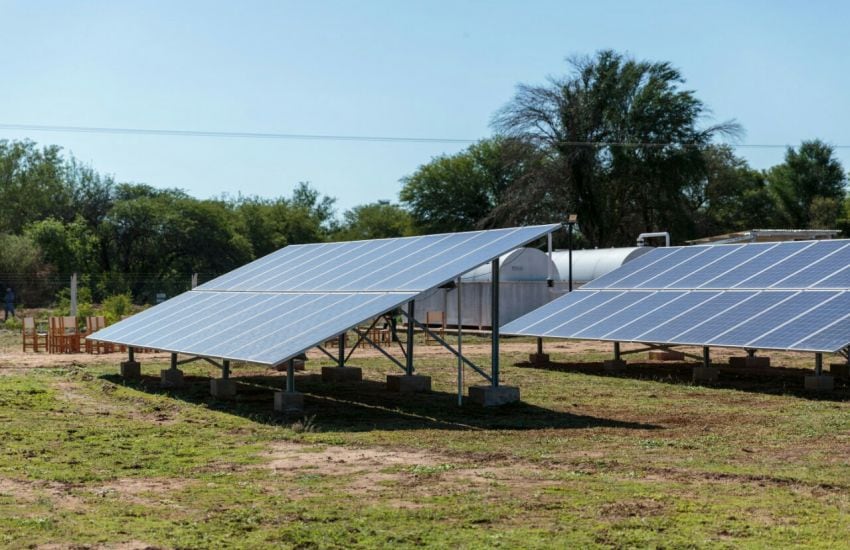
point(73, 311)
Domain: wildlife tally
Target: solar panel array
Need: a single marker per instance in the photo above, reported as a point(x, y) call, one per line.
point(283, 304)
point(787, 296)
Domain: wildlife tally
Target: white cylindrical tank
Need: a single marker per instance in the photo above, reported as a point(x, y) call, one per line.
point(521, 264)
point(593, 263)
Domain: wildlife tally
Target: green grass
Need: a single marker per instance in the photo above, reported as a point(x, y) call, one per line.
point(587, 460)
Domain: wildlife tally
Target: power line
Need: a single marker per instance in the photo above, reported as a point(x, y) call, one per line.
point(356, 138)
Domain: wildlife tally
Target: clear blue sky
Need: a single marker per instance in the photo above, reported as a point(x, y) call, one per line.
point(389, 68)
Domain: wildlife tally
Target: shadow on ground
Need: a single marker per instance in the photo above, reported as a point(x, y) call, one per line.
point(767, 380)
point(367, 405)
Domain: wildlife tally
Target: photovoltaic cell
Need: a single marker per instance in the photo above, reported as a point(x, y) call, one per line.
point(300, 296)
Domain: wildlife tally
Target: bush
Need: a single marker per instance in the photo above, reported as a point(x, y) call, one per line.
point(13, 323)
point(116, 307)
point(84, 305)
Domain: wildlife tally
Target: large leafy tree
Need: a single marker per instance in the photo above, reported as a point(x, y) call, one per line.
point(377, 220)
point(460, 192)
point(810, 185)
point(623, 139)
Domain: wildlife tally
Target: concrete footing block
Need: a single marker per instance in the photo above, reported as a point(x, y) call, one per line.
point(489, 396)
point(839, 370)
point(823, 382)
point(342, 374)
point(222, 387)
point(131, 370)
point(289, 402)
point(705, 374)
point(538, 358)
point(662, 355)
point(171, 378)
point(408, 383)
point(613, 365)
point(747, 361)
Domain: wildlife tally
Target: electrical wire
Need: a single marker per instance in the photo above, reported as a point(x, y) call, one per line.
point(355, 138)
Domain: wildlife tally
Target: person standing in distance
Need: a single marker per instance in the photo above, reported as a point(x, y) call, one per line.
point(10, 303)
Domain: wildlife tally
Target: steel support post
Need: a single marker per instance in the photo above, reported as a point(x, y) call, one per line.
point(340, 344)
point(410, 325)
point(616, 351)
point(540, 346)
point(290, 376)
point(225, 369)
point(818, 364)
point(570, 255)
point(494, 322)
point(706, 359)
point(131, 356)
point(173, 361)
point(459, 346)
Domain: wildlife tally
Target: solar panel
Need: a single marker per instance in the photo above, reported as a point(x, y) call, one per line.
point(285, 303)
point(789, 296)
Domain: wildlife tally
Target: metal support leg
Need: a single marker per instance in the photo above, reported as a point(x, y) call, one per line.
point(818, 364)
point(706, 359)
point(290, 376)
point(751, 352)
point(459, 346)
point(616, 351)
point(540, 346)
point(494, 321)
point(131, 355)
point(173, 361)
point(225, 369)
point(341, 350)
point(410, 317)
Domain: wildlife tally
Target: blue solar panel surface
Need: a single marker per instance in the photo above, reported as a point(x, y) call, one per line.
point(790, 296)
point(280, 305)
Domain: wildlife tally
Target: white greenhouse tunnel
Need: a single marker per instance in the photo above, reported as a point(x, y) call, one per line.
point(523, 275)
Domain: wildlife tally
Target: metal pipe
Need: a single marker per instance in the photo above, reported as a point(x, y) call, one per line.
point(570, 255)
point(131, 356)
point(616, 351)
point(494, 322)
point(641, 239)
point(173, 361)
point(550, 275)
point(225, 369)
point(459, 347)
point(539, 346)
point(706, 359)
point(410, 316)
point(340, 344)
point(818, 364)
point(290, 376)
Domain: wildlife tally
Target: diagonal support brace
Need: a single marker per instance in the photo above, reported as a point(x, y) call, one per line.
point(449, 347)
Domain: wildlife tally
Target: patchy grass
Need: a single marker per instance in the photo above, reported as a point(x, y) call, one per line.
point(587, 460)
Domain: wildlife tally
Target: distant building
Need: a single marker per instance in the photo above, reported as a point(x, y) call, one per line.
point(769, 235)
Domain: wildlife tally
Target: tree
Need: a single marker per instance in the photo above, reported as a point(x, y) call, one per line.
point(624, 141)
point(731, 196)
point(460, 192)
point(377, 220)
point(32, 185)
point(808, 173)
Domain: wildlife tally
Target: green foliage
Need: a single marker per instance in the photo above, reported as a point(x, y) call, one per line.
point(117, 306)
point(84, 304)
point(617, 191)
point(462, 191)
point(809, 186)
point(13, 323)
point(378, 220)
